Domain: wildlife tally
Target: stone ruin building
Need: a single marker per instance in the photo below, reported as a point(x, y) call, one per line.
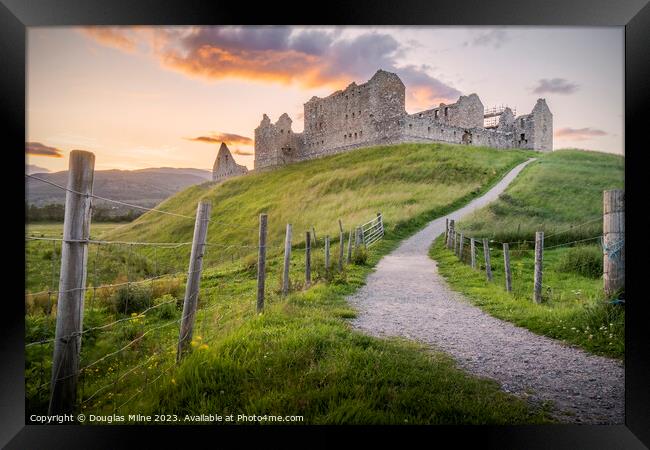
point(373, 113)
point(225, 166)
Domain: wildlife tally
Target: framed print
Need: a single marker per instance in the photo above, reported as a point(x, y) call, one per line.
point(377, 218)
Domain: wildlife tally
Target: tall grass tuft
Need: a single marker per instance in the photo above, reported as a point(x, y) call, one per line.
point(582, 260)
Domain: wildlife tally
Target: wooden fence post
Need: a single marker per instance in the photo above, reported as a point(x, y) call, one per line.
point(341, 247)
point(307, 259)
point(261, 264)
point(451, 234)
point(287, 261)
point(349, 247)
point(72, 283)
point(446, 230)
point(472, 249)
point(506, 264)
point(539, 256)
point(460, 247)
point(613, 241)
point(454, 241)
point(193, 277)
point(486, 254)
point(380, 220)
point(327, 254)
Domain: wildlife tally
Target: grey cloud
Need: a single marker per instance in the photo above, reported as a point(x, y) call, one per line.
point(579, 134)
point(555, 86)
point(493, 38)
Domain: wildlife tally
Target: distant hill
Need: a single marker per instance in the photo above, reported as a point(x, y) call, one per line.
point(143, 187)
point(31, 168)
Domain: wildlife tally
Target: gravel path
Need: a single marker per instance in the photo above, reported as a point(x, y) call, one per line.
point(407, 297)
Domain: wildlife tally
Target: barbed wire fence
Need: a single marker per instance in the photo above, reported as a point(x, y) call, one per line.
point(611, 242)
point(138, 286)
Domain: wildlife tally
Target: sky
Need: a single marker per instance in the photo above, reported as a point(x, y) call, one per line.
point(167, 96)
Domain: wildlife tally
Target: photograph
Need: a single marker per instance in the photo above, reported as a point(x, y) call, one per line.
point(284, 226)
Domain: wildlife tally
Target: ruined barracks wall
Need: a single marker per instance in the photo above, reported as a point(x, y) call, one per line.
point(373, 113)
point(225, 166)
point(359, 115)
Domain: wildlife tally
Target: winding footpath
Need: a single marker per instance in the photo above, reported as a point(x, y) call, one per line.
point(406, 296)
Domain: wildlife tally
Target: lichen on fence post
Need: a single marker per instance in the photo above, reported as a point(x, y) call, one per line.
point(613, 241)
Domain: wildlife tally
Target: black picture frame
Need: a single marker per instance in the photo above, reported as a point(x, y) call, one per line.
point(634, 15)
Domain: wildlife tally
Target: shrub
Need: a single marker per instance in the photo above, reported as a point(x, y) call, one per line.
point(169, 306)
point(131, 299)
point(133, 328)
point(584, 260)
point(360, 256)
point(47, 254)
point(42, 303)
point(167, 286)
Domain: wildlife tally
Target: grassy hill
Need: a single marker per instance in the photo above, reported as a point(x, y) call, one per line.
point(300, 356)
point(562, 195)
point(405, 182)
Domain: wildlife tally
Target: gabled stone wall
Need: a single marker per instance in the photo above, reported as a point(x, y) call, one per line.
point(225, 166)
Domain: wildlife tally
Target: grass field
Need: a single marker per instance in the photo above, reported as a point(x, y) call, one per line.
point(300, 356)
point(562, 189)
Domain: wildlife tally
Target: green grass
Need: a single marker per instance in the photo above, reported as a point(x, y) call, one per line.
point(559, 190)
point(300, 356)
point(563, 188)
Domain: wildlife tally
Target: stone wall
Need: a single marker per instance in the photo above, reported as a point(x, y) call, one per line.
point(225, 166)
point(356, 116)
point(373, 113)
point(277, 144)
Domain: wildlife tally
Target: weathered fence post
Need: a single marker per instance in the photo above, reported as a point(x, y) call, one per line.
point(380, 220)
point(486, 254)
point(446, 230)
point(472, 249)
point(307, 259)
point(450, 236)
point(357, 238)
point(72, 283)
point(613, 241)
point(287, 261)
point(193, 277)
point(539, 256)
point(349, 247)
point(460, 247)
point(340, 226)
point(341, 247)
point(327, 254)
point(261, 264)
point(506, 264)
point(454, 241)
